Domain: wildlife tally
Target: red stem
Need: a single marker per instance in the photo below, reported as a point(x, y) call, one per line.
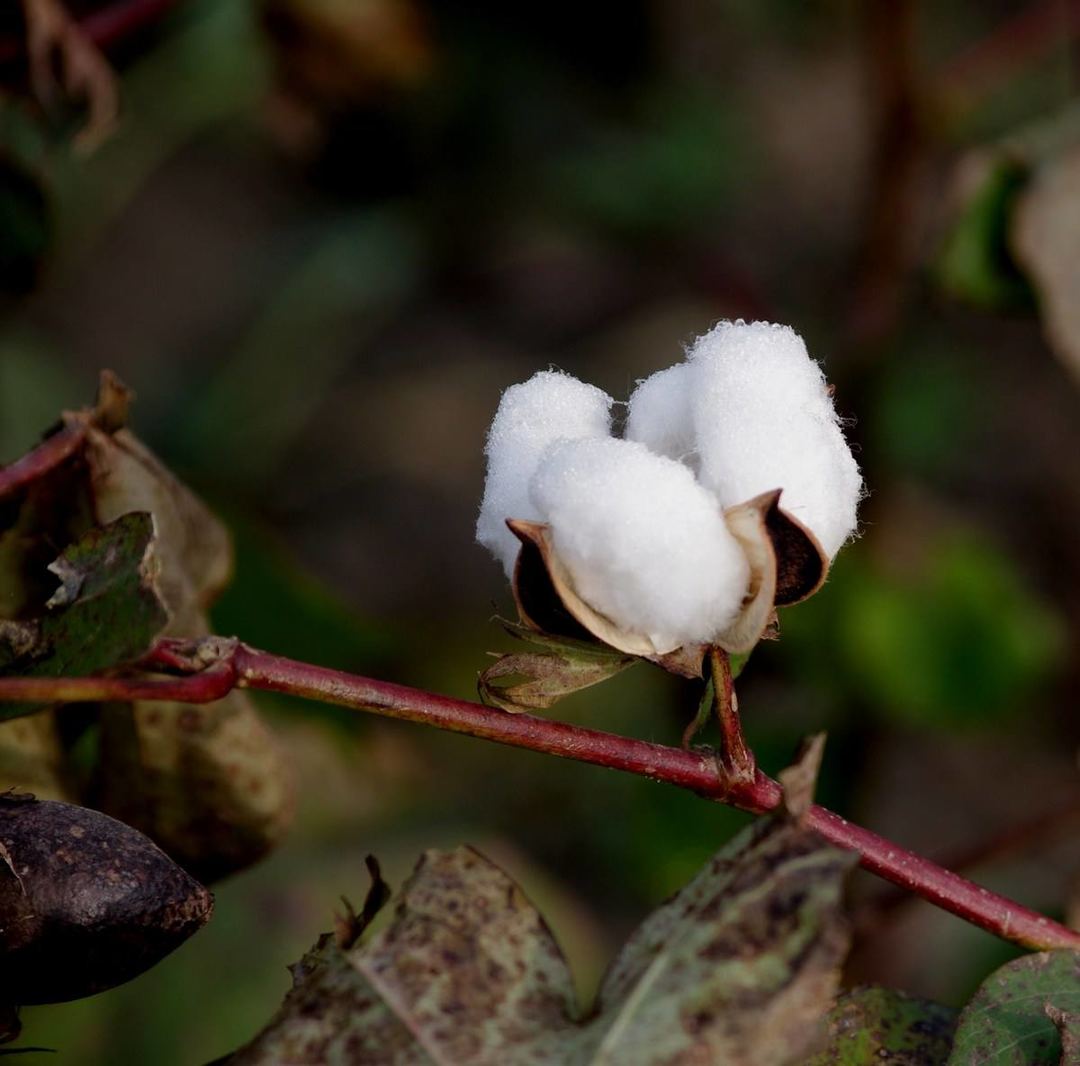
point(45, 457)
point(216, 665)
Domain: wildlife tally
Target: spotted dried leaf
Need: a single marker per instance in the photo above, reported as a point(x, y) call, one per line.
point(872, 1025)
point(741, 965)
point(466, 972)
point(738, 968)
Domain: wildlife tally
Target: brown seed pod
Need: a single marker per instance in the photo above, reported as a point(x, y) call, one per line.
point(86, 902)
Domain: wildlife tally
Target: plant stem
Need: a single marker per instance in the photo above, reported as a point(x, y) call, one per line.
point(46, 456)
point(215, 665)
point(736, 759)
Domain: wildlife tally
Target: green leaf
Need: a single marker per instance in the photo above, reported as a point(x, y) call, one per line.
point(531, 681)
point(976, 264)
point(879, 1027)
point(737, 968)
point(107, 610)
point(1007, 1024)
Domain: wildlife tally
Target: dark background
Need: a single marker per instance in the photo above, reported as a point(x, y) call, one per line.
point(326, 236)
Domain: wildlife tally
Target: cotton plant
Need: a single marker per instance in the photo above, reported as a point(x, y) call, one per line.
point(728, 495)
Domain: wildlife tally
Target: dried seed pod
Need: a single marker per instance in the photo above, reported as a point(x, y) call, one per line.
point(86, 902)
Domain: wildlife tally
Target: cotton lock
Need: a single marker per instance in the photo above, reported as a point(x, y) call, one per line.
point(638, 524)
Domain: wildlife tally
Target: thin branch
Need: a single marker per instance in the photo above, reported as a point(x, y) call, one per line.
point(230, 663)
point(103, 27)
point(204, 687)
point(46, 456)
point(736, 759)
point(1026, 836)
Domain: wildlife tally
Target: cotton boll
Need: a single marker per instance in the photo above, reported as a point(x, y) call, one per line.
point(644, 543)
point(550, 406)
point(751, 362)
point(763, 419)
point(660, 416)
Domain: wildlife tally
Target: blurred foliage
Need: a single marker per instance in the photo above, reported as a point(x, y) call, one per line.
point(318, 287)
point(955, 640)
point(976, 262)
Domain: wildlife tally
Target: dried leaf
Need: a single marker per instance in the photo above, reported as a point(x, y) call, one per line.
point(467, 972)
point(194, 549)
point(208, 782)
point(738, 968)
point(95, 903)
point(1045, 237)
point(348, 928)
point(1007, 1023)
point(879, 1027)
point(55, 46)
point(800, 779)
point(741, 965)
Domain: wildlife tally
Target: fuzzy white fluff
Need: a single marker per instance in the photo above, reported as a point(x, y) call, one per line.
point(644, 543)
point(763, 419)
point(550, 406)
point(660, 415)
point(638, 522)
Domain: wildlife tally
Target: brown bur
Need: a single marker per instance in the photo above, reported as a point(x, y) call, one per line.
point(86, 902)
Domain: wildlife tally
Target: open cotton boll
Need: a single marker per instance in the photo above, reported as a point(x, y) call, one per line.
point(752, 449)
point(550, 406)
point(753, 362)
point(660, 415)
point(643, 542)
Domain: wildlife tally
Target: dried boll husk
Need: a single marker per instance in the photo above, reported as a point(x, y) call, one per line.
point(208, 782)
point(787, 564)
point(86, 902)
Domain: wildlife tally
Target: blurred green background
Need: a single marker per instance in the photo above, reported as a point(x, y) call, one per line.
point(327, 233)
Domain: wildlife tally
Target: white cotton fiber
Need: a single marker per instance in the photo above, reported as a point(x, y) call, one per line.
point(644, 543)
point(660, 416)
point(550, 406)
point(763, 419)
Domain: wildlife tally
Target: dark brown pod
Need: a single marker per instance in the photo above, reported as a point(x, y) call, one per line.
point(86, 902)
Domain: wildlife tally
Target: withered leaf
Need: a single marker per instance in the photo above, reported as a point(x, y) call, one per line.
point(106, 612)
point(738, 968)
point(870, 1025)
point(466, 972)
point(741, 965)
point(63, 59)
point(94, 902)
point(1007, 1023)
point(1045, 237)
point(208, 782)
